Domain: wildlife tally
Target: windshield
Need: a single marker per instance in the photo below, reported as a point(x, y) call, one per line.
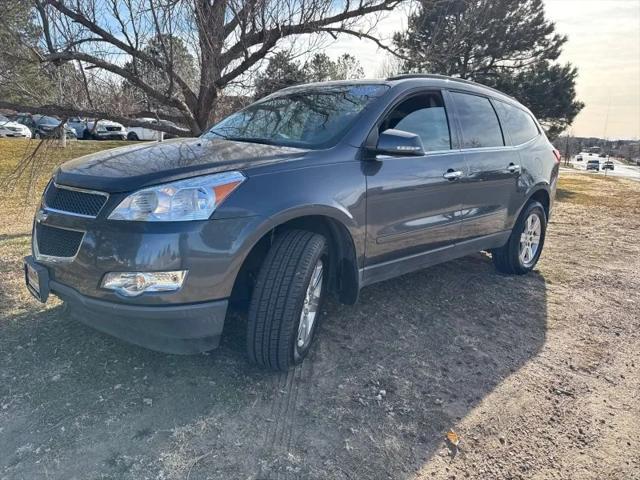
point(311, 117)
point(49, 121)
point(4, 119)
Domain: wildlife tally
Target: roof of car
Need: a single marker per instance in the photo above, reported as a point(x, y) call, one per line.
point(421, 79)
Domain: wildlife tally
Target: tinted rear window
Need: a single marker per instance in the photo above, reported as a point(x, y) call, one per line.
point(478, 120)
point(518, 123)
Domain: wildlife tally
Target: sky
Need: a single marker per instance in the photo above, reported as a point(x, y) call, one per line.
point(604, 43)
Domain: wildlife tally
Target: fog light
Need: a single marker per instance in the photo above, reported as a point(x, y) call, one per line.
point(132, 284)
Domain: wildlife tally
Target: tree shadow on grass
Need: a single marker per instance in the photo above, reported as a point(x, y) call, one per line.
point(563, 195)
point(387, 378)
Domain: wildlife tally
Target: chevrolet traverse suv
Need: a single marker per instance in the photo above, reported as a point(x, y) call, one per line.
point(314, 190)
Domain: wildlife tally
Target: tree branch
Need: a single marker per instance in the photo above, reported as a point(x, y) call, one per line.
point(109, 38)
point(63, 111)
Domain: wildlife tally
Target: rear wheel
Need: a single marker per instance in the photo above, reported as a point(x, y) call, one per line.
point(522, 251)
point(133, 136)
point(285, 304)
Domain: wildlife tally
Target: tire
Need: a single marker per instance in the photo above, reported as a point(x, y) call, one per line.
point(133, 136)
point(279, 297)
point(508, 258)
point(86, 135)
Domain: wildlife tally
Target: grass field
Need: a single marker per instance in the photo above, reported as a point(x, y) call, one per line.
point(537, 374)
point(20, 190)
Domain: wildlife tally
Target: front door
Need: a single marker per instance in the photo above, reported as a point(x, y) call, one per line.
point(414, 203)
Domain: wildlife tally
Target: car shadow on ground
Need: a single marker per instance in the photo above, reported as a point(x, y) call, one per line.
point(386, 380)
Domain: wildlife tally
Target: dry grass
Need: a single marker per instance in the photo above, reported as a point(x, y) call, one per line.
point(599, 191)
point(20, 192)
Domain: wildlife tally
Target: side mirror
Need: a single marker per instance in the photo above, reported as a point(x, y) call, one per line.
point(398, 142)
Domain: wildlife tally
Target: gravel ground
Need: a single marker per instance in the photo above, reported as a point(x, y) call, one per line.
point(537, 375)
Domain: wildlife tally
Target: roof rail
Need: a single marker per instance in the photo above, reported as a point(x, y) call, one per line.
point(435, 76)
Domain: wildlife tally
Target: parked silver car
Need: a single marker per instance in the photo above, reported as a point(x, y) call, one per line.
point(11, 129)
point(104, 130)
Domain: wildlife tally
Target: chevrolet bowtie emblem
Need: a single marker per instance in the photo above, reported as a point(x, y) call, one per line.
point(41, 216)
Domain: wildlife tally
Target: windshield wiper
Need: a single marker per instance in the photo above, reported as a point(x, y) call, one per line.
point(218, 134)
point(265, 141)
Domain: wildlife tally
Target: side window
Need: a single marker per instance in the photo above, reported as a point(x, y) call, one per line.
point(425, 116)
point(517, 123)
point(478, 120)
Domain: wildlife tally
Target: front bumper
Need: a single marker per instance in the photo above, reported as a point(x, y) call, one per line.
point(180, 329)
point(120, 135)
point(15, 135)
point(187, 320)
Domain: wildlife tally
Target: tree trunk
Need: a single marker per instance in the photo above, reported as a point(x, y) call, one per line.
point(63, 137)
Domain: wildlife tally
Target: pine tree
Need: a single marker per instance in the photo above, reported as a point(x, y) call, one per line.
point(507, 44)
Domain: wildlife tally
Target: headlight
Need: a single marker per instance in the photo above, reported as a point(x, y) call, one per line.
point(191, 199)
point(132, 284)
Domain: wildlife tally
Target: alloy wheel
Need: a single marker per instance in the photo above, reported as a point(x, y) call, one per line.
point(530, 240)
point(310, 307)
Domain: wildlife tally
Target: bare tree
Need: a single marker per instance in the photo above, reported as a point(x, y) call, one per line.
point(102, 45)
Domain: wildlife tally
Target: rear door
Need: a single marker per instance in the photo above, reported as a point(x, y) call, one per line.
point(413, 202)
point(492, 181)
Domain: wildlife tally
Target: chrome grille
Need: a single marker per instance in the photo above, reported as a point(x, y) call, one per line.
point(74, 201)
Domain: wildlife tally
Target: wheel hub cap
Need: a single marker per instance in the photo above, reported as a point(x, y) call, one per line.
point(310, 306)
point(530, 239)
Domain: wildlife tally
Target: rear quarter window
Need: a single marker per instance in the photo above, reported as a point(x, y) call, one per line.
point(518, 123)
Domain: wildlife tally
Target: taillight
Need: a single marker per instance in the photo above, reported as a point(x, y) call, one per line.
point(556, 153)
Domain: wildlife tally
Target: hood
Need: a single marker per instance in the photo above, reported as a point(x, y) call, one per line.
point(128, 168)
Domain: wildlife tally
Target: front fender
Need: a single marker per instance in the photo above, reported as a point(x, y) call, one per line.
point(336, 191)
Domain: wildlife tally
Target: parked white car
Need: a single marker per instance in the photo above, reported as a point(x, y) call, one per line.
point(140, 133)
point(12, 129)
point(105, 130)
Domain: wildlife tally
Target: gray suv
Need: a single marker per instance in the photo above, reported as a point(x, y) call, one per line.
point(316, 189)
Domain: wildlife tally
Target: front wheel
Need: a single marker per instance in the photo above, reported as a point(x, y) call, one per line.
point(285, 304)
point(522, 251)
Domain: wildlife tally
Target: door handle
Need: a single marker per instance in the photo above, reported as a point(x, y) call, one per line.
point(513, 168)
point(452, 174)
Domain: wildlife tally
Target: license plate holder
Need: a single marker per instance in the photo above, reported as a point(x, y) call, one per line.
point(37, 279)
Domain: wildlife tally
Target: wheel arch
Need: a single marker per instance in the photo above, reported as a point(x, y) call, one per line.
point(541, 194)
point(333, 224)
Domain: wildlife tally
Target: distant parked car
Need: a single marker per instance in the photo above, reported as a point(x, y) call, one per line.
point(593, 165)
point(43, 126)
point(608, 165)
point(104, 130)
point(140, 133)
point(11, 129)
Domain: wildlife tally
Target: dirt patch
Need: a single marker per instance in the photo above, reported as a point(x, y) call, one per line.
point(538, 375)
